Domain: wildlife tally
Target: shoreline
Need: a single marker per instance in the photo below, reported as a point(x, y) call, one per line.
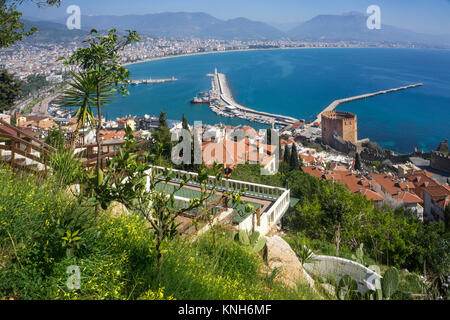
point(241, 50)
point(212, 52)
point(260, 49)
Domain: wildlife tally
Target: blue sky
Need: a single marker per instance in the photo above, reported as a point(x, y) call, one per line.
point(427, 16)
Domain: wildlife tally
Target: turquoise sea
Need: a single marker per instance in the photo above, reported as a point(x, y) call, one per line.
point(300, 83)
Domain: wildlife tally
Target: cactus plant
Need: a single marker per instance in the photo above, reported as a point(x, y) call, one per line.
point(243, 238)
point(260, 245)
point(359, 256)
point(254, 241)
point(389, 282)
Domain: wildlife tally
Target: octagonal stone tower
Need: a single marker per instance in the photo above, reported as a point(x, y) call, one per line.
point(343, 124)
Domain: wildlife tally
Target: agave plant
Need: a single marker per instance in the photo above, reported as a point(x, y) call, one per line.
point(303, 253)
point(347, 289)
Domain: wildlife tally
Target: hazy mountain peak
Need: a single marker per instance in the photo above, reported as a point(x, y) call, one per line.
point(352, 27)
point(353, 13)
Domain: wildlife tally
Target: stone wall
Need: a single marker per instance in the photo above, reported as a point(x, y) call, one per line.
point(343, 146)
point(370, 155)
point(440, 162)
point(322, 266)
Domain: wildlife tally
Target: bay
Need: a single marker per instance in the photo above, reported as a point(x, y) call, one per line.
point(301, 83)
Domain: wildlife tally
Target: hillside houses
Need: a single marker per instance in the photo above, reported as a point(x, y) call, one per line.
point(434, 195)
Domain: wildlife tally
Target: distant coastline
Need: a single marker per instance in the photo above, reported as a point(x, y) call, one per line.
point(217, 52)
point(261, 49)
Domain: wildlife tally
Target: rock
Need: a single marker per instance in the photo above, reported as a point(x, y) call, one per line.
point(280, 255)
point(117, 209)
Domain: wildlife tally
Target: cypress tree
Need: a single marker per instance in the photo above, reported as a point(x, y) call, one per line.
point(162, 119)
point(280, 150)
point(358, 162)
point(294, 163)
point(162, 135)
point(287, 155)
point(447, 218)
point(185, 123)
point(269, 136)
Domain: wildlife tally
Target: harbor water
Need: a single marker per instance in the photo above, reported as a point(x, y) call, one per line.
point(301, 83)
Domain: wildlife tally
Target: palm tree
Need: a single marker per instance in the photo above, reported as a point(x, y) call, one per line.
point(81, 94)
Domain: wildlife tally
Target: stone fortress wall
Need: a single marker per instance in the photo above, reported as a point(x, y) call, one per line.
point(440, 161)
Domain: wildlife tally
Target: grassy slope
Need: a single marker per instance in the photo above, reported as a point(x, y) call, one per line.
point(113, 254)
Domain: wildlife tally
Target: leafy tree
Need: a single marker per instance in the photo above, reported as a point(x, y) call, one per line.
point(100, 59)
point(9, 90)
point(33, 83)
point(337, 210)
point(56, 138)
point(11, 31)
point(11, 28)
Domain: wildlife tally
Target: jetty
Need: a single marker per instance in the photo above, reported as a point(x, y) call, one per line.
point(336, 103)
point(151, 81)
point(223, 103)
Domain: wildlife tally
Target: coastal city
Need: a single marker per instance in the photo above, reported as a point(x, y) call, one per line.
point(270, 173)
point(42, 58)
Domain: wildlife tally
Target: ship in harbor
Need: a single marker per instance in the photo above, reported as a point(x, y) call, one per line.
point(202, 97)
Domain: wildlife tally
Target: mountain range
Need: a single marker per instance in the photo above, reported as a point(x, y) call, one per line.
point(52, 31)
point(345, 27)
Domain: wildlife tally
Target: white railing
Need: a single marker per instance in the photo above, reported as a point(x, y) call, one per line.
point(248, 189)
point(268, 218)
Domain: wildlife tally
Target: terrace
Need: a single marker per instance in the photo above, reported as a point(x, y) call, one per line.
point(270, 203)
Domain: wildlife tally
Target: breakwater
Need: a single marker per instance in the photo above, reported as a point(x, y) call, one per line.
point(223, 103)
point(336, 103)
point(151, 81)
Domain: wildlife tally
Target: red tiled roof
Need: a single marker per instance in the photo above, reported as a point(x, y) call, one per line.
point(314, 171)
point(307, 159)
point(355, 184)
point(372, 195)
point(108, 135)
point(407, 197)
